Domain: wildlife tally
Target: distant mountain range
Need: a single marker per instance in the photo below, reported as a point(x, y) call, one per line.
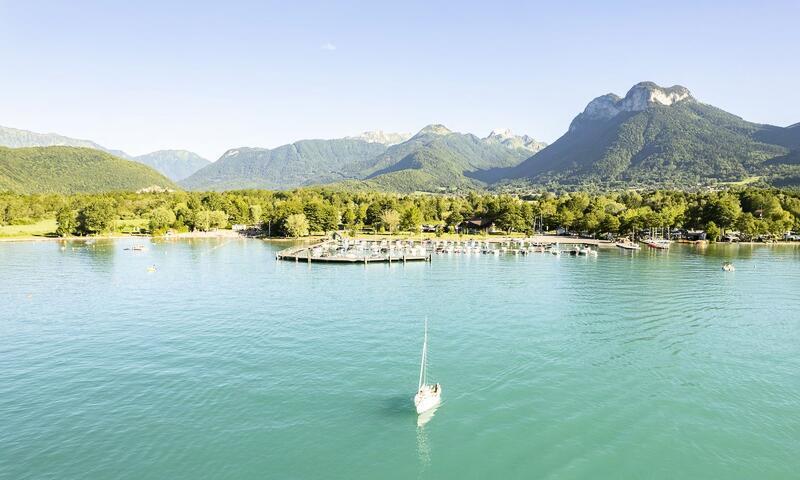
point(379, 136)
point(62, 169)
point(435, 159)
point(658, 136)
point(301, 163)
point(653, 136)
point(175, 164)
point(15, 138)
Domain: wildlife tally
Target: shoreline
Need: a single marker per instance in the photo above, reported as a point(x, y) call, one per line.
point(185, 235)
point(417, 238)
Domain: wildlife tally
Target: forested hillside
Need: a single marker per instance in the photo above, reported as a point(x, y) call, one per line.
point(72, 170)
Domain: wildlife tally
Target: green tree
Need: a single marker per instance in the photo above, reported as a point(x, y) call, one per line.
point(455, 218)
point(202, 220)
point(218, 219)
point(411, 219)
point(713, 232)
point(297, 225)
point(256, 213)
point(511, 221)
point(724, 210)
point(349, 216)
point(66, 221)
point(390, 219)
point(748, 225)
point(322, 217)
point(160, 220)
point(96, 216)
point(609, 224)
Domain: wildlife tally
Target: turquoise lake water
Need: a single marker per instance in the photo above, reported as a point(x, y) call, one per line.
point(227, 364)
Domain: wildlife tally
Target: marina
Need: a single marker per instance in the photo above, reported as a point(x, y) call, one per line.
point(346, 250)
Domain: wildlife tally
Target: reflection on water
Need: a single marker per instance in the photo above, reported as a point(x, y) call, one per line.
point(99, 253)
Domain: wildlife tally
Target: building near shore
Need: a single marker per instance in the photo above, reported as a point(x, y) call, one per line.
point(476, 225)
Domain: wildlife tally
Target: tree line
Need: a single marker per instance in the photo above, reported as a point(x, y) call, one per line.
point(753, 212)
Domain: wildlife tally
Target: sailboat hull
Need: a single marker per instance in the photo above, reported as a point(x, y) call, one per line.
point(427, 399)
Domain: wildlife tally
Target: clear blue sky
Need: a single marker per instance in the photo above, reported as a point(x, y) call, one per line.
point(208, 76)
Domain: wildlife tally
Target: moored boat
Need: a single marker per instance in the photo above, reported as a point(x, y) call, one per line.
point(658, 243)
point(628, 245)
point(728, 267)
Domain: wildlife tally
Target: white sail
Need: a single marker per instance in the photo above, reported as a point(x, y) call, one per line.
point(423, 362)
point(428, 396)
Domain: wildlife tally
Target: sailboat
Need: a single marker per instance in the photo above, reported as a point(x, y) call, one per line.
point(428, 396)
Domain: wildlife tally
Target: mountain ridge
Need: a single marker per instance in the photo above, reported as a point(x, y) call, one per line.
point(433, 159)
point(175, 164)
point(656, 136)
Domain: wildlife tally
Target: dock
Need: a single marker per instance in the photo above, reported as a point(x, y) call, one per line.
point(330, 251)
point(343, 250)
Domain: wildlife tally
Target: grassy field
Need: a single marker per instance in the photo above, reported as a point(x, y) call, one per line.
point(45, 228)
point(131, 226)
point(743, 182)
point(38, 229)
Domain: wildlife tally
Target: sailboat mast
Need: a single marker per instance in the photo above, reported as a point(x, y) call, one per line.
point(424, 356)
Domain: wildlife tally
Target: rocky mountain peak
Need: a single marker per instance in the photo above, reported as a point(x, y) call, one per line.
point(507, 138)
point(501, 133)
point(645, 94)
point(640, 97)
point(434, 129)
point(379, 136)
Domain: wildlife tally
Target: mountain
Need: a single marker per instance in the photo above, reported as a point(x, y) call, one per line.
point(657, 136)
point(507, 138)
point(63, 169)
point(434, 159)
point(437, 159)
point(15, 138)
point(174, 164)
point(379, 136)
point(788, 137)
point(301, 163)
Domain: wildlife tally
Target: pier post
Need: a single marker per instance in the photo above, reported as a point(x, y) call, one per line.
point(308, 254)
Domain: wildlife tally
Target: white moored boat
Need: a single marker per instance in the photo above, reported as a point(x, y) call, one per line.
point(728, 267)
point(658, 243)
point(628, 245)
point(428, 396)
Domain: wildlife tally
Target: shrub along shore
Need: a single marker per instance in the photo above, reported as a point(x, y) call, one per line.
point(755, 214)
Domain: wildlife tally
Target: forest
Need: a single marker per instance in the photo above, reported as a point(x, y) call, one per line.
point(755, 213)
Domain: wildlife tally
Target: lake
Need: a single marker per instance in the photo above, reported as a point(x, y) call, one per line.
point(224, 363)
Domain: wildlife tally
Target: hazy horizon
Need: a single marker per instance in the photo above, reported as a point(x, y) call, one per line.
point(207, 78)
